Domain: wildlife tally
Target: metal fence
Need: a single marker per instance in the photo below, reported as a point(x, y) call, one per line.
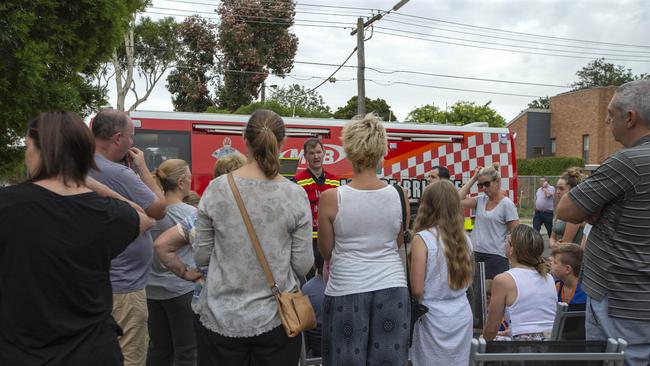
point(527, 185)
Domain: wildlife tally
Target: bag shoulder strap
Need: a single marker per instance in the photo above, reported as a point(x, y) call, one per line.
point(253, 235)
point(402, 202)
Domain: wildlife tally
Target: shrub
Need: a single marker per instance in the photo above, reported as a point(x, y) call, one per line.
point(546, 166)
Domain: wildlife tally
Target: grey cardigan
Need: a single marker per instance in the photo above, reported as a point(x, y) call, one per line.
point(236, 300)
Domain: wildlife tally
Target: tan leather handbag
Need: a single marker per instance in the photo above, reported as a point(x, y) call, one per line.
point(294, 308)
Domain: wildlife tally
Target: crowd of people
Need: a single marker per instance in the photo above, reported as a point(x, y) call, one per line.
point(103, 262)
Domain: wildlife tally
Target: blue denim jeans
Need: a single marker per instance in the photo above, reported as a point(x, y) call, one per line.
point(543, 217)
point(599, 326)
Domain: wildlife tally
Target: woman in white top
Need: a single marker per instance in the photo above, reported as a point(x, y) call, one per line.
point(526, 293)
point(496, 216)
point(366, 310)
point(441, 271)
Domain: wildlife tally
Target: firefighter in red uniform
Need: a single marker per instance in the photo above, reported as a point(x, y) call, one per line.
point(315, 181)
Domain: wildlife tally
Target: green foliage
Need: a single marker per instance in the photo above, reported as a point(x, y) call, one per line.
point(213, 109)
point(296, 95)
point(377, 106)
point(460, 113)
point(601, 73)
point(540, 103)
point(463, 113)
point(48, 48)
point(547, 165)
point(428, 113)
point(280, 109)
point(189, 82)
point(255, 40)
point(156, 43)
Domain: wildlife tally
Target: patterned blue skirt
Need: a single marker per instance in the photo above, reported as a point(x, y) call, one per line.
point(368, 328)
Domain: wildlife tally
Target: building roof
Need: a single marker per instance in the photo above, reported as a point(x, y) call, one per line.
point(584, 90)
point(527, 110)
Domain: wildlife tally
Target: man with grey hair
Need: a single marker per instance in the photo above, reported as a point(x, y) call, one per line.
point(616, 199)
point(114, 154)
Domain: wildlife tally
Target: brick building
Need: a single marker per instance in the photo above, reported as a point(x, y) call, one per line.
point(574, 126)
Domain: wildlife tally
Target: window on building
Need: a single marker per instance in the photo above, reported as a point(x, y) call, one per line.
point(538, 151)
point(585, 149)
point(553, 147)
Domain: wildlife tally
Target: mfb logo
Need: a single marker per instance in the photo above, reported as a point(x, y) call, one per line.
point(332, 154)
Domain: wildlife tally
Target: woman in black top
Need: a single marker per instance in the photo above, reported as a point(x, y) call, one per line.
point(57, 240)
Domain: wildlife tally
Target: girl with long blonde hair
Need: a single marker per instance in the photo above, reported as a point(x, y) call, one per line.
point(441, 271)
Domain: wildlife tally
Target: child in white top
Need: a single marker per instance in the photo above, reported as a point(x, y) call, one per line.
point(526, 293)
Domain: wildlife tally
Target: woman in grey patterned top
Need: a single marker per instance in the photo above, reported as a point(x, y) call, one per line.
point(237, 321)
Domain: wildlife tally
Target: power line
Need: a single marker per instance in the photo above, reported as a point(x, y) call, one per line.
point(280, 20)
point(384, 83)
point(338, 7)
point(388, 83)
point(647, 57)
point(413, 72)
point(451, 23)
point(335, 71)
point(438, 75)
point(506, 50)
point(511, 39)
point(250, 21)
point(348, 14)
point(522, 33)
point(298, 23)
point(285, 10)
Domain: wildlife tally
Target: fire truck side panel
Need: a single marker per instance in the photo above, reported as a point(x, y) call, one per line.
point(412, 149)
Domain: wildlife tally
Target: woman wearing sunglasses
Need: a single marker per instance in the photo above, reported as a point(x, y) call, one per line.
point(496, 216)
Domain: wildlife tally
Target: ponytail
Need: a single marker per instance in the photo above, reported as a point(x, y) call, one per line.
point(264, 133)
point(169, 172)
point(528, 247)
point(542, 267)
point(265, 152)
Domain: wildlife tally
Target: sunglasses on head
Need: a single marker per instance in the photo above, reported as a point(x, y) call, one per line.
point(483, 184)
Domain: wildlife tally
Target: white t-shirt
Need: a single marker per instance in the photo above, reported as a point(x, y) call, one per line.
point(365, 256)
point(490, 230)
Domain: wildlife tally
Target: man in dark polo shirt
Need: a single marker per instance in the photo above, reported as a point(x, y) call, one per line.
point(616, 199)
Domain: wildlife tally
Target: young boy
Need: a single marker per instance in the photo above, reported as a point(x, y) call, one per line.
point(566, 260)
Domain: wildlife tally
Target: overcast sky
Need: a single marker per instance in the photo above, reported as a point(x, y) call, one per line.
point(616, 22)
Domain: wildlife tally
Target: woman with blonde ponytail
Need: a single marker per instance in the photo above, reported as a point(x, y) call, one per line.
point(525, 293)
point(171, 328)
point(441, 272)
point(237, 320)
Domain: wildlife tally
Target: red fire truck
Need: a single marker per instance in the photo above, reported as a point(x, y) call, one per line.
point(201, 138)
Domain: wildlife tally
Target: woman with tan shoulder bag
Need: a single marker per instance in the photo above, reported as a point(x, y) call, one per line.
point(238, 322)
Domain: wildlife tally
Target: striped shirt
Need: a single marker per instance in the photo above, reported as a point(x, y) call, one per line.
point(617, 258)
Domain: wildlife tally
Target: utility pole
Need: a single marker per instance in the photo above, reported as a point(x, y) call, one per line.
point(361, 57)
point(262, 95)
point(361, 70)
